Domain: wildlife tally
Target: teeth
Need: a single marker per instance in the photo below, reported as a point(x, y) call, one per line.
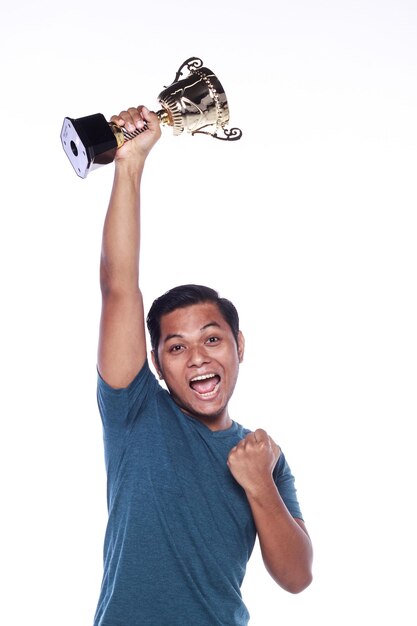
point(203, 377)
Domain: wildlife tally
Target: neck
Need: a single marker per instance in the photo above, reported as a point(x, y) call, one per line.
point(212, 422)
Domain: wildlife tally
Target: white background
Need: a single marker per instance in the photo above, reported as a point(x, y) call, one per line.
point(308, 224)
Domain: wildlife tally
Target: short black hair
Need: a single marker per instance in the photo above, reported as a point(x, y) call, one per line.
point(181, 297)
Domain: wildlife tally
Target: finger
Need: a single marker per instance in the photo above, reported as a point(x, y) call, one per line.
point(124, 119)
point(130, 119)
point(249, 439)
point(242, 444)
point(275, 448)
point(261, 435)
point(117, 119)
point(231, 455)
point(136, 118)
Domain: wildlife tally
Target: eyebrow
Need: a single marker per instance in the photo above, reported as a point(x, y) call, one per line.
point(173, 336)
point(178, 336)
point(216, 324)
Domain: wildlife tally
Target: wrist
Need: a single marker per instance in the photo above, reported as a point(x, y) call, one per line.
point(262, 490)
point(130, 168)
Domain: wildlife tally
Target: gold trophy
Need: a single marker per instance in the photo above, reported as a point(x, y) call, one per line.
point(196, 103)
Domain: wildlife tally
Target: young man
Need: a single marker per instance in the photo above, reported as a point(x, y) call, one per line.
point(188, 488)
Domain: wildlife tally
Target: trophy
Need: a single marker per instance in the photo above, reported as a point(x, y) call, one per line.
point(196, 103)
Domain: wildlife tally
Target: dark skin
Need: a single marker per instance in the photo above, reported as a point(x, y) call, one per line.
point(196, 344)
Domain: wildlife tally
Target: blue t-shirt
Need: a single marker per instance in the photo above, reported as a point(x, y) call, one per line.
point(180, 530)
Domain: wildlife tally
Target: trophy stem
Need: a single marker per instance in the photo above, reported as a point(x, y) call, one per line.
point(164, 117)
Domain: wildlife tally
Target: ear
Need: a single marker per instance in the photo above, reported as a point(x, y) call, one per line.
point(240, 346)
point(155, 364)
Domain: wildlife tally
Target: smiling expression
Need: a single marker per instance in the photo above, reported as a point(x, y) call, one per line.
point(198, 358)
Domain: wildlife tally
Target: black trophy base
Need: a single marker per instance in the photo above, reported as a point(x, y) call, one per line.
point(88, 142)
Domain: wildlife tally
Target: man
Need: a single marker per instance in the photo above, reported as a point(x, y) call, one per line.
point(188, 488)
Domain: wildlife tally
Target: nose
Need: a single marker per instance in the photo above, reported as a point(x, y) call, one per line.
point(197, 356)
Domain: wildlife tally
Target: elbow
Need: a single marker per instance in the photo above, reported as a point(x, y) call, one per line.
point(105, 282)
point(110, 279)
point(294, 582)
point(117, 283)
point(299, 585)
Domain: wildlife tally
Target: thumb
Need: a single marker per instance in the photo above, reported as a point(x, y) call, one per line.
point(150, 118)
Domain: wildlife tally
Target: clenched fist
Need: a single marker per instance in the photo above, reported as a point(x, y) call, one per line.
point(252, 461)
point(137, 119)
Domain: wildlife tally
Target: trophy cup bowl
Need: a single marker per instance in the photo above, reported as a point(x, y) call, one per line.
point(195, 103)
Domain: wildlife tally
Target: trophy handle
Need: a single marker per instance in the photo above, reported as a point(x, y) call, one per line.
point(191, 63)
point(230, 134)
point(122, 135)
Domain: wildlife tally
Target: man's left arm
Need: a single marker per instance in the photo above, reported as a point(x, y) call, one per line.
point(286, 547)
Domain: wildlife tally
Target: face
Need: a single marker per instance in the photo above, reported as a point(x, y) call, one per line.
point(199, 361)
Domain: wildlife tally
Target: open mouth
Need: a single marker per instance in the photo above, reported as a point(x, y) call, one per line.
point(205, 385)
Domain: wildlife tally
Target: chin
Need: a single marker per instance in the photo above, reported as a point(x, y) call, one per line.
point(209, 413)
point(200, 408)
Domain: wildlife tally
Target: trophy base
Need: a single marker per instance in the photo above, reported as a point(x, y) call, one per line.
point(88, 142)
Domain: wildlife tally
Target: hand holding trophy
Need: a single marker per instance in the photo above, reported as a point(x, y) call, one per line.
point(196, 103)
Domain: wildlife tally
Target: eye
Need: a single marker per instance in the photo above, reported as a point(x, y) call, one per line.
point(213, 340)
point(176, 347)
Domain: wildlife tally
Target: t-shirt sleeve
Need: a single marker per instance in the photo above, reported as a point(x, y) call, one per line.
point(120, 408)
point(285, 483)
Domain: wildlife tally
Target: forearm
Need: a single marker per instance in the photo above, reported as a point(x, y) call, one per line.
point(121, 234)
point(286, 547)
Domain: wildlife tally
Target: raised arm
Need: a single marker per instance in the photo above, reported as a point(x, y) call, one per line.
point(122, 343)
